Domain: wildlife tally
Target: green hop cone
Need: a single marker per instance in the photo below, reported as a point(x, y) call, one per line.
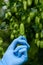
point(14, 8)
point(25, 4)
point(22, 30)
point(42, 15)
point(28, 19)
point(12, 36)
point(38, 43)
point(41, 34)
point(37, 35)
point(37, 20)
point(41, 44)
point(36, 2)
point(29, 2)
point(8, 15)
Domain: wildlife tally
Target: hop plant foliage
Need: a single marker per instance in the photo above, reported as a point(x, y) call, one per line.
point(22, 17)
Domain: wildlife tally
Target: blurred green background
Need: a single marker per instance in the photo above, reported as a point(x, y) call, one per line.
point(22, 17)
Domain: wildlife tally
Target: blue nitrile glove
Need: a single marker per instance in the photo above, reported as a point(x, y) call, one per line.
point(16, 55)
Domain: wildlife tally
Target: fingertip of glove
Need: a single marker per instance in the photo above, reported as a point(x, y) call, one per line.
point(22, 37)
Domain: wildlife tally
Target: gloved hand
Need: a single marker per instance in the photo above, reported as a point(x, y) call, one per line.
point(16, 55)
